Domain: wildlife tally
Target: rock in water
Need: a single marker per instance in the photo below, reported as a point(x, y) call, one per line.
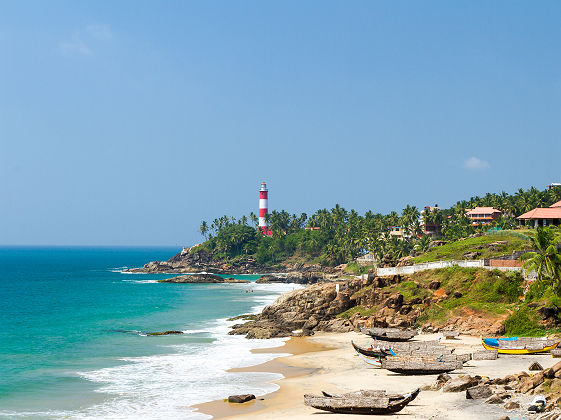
point(241, 398)
point(165, 333)
point(194, 278)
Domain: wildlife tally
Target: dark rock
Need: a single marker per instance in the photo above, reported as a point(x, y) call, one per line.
point(434, 285)
point(457, 295)
point(313, 307)
point(241, 398)
point(494, 399)
point(416, 301)
point(471, 255)
point(194, 278)
point(460, 383)
point(165, 333)
point(394, 301)
point(478, 392)
point(512, 405)
point(268, 278)
point(535, 366)
point(233, 280)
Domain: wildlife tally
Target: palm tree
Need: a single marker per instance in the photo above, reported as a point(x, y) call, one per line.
point(546, 259)
point(203, 229)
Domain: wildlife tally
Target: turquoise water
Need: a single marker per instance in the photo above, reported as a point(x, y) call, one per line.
point(72, 340)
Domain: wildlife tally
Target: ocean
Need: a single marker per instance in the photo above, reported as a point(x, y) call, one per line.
point(73, 340)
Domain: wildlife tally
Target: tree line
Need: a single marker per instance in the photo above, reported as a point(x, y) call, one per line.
point(336, 236)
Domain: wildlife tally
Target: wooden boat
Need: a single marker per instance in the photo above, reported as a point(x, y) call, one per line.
point(519, 345)
point(420, 366)
point(373, 352)
point(361, 402)
point(390, 334)
point(376, 362)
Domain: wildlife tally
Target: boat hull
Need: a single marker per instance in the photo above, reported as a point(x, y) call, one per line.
point(488, 346)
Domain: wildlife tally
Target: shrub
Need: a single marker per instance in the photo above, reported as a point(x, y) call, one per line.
point(524, 322)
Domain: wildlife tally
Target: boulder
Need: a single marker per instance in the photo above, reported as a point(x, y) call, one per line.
point(434, 285)
point(233, 280)
point(512, 405)
point(165, 333)
point(194, 278)
point(460, 383)
point(241, 398)
point(478, 392)
point(494, 399)
point(268, 278)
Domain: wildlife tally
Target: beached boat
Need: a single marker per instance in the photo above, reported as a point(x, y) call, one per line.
point(390, 334)
point(373, 351)
point(519, 345)
point(361, 402)
point(372, 361)
point(420, 366)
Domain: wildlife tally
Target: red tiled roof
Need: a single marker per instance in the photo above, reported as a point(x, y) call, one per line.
point(542, 213)
point(483, 210)
point(558, 204)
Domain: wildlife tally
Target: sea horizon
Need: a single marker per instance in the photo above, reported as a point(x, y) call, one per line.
point(74, 343)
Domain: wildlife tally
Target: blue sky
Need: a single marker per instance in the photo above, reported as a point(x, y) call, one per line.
point(127, 123)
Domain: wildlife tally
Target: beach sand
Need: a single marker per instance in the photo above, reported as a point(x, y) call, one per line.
point(326, 361)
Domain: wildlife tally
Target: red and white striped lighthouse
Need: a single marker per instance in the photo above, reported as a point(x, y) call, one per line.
point(263, 208)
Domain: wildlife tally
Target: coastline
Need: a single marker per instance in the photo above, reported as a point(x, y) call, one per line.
point(334, 367)
point(283, 365)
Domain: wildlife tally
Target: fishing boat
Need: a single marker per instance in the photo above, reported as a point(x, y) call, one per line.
point(420, 366)
point(519, 345)
point(361, 402)
point(390, 334)
point(373, 352)
point(376, 362)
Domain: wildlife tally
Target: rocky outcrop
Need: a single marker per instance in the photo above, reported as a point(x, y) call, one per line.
point(166, 333)
point(304, 277)
point(197, 259)
point(194, 278)
point(240, 398)
point(313, 308)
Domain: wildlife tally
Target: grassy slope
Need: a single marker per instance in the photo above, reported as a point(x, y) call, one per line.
point(490, 294)
point(456, 250)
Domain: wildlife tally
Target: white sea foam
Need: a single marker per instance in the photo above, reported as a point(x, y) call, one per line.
point(166, 385)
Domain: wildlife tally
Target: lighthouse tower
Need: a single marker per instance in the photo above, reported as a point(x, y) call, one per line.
point(263, 208)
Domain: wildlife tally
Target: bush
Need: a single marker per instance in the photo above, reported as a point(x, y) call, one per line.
point(524, 322)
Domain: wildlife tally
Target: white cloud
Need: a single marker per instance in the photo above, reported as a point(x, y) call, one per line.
point(81, 41)
point(474, 163)
point(99, 31)
point(75, 46)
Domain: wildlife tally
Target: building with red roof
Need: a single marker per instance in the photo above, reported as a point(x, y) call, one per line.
point(483, 215)
point(542, 216)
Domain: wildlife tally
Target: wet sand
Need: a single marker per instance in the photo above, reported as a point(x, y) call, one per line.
point(327, 362)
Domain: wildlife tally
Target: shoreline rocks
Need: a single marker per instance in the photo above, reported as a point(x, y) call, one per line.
point(194, 278)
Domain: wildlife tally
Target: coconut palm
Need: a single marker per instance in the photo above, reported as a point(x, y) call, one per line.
point(203, 229)
point(546, 259)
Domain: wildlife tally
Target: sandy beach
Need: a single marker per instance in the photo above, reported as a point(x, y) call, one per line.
point(326, 361)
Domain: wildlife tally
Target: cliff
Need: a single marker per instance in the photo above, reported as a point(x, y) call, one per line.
point(470, 301)
point(197, 260)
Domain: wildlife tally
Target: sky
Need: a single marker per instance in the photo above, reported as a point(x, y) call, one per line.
point(130, 122)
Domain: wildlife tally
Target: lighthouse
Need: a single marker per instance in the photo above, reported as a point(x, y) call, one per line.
point(263, 208)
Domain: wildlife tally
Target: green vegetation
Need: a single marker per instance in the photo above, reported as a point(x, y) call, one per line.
point(472, 292)
point(456, 250)
point(336, 236)
point(357, 309)
point(524, 322)
point(546, 259)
